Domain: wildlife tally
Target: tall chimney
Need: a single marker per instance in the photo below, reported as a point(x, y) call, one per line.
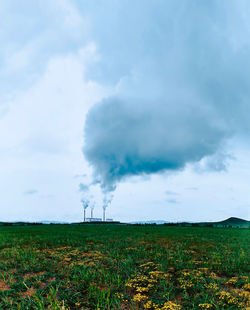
point(84, 210)
point(104, 209)
point(92, 212)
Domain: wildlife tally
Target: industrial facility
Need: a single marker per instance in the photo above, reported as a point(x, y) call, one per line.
point(93, 219)
point(97, 219)
point(85, 204)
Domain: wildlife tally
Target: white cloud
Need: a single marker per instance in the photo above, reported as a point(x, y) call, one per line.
point(31, 34)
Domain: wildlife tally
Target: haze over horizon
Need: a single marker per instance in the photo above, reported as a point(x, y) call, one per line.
point(148, 102)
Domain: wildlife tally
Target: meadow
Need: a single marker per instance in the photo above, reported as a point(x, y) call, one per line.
point(123, 267)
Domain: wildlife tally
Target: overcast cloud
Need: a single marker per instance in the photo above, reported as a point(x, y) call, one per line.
point(125, 90)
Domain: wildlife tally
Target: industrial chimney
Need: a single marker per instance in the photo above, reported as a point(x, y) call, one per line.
point(104, 210)
point(92, 209)
point(85, 204)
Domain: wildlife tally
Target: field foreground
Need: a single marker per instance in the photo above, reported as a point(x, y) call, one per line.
point(123, 267)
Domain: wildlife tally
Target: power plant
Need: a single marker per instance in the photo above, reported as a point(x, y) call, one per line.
point(88, 200)
point(93, 219)
point(85, 204)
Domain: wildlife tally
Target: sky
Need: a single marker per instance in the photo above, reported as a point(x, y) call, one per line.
point(144, 104)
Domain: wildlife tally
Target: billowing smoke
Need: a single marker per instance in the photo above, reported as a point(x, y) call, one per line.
point(83, 187)
point(85, 203)
point(91, 193)
point(92, 205)
point(87, 198)
point(127, 137)
point(108, 197)
point(183, 88)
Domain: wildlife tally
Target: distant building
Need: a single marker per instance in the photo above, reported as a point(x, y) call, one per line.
point(93, 219)
point(109, 220)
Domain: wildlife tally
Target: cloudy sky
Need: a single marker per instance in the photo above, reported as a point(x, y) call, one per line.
point(146, 101)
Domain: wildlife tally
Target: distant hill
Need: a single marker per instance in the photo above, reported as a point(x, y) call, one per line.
point(233, 221)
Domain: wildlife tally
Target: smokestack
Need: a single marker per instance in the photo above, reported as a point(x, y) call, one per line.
point(92, 209)
point(85, 204)
point(104, 209)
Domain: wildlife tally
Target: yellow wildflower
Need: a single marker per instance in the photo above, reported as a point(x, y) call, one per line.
point(205, 306)
point(139, 297)
point(170, 306)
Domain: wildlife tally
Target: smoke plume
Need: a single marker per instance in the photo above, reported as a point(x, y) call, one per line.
point(183, 89)
point(85, 203)
point(107, 199)
point(127, 137)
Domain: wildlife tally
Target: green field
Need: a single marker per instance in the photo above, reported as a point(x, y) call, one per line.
point(123, 267)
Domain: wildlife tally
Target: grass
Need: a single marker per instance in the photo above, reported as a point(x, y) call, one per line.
point(123, 267)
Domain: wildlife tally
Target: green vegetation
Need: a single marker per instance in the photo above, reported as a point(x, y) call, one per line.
point(123, 267)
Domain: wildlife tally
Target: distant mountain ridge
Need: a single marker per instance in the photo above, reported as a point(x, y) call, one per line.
point(234, 222)
point(231, 221)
